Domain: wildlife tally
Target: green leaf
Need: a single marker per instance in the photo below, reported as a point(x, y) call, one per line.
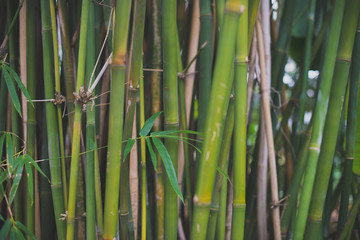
point(16, 234)
point(223, 173)
point(12, 91)
point(5, 229)
point(3, 177)
point(130, 143)
point(19, 83)
point(30, 178)
point(1, 218)
point(29, 159)
point(9, 151)
point(149, 124)
point(152, 153)
point(27, 231)
point(169, 167)
point(15, 185)
point(180, 139)
point(168, 132)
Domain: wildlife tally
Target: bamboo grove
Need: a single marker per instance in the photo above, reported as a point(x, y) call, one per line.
point(199, 119)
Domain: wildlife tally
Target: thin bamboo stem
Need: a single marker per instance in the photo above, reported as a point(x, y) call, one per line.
point(75, 150)
point(269, 135)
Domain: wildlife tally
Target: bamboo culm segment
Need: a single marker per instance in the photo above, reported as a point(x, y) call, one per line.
point(170, 101)
point(336, 101)
point(116, 114)
point(74, 168)
point(319, 117)
point(51, 123)
point(219, 99)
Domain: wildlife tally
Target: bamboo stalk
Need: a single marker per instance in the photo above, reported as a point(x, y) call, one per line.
point(31, 121)
point(122, 15)
point(319, 118)
point(58, 106)
point(269, 136)
point(51, 123)
point(214, 218)
point(74, 168)
point(239, 161)
point(170, 101)
point(350, 131)
point(335, 105)
point(90, 131)
point(219, 99)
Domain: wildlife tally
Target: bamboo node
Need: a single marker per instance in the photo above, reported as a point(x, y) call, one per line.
point(59, 99)
point(63, 216)
point(83, 98)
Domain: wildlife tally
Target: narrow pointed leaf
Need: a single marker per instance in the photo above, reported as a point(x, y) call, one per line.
point(5, 229)
point(29, 159)
point(12, 91)
point(130, 143)
point(152, 153)
point(223, 173)
point(27, 231)
point(20, 84)
point(15, 185)
point(30, 177)
point(169, 167)
point(149, 124)
point(16, 234)
point(3, 177)
point(168, 132)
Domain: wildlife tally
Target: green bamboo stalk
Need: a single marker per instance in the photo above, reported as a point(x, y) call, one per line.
point(143, 161)
point(31, 121)
point(305, 69)
point(350, 131)
point(221, 219)
point(336, 100)
point(57, 91)
point(239, 162)
point(347, 231)
point(3, 104)
point(75, 150)
point(90, 131)
point(170, 101)
point(51, 122)
point(98, 196)
point(253, 11)
point(155, 76)
point(219, 99)
point(133, 84)
point(205, 65)
point(223, 165)
point(319, 118)
point(122, 15)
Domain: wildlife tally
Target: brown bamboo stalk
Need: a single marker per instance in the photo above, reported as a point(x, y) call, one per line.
point(269, 134)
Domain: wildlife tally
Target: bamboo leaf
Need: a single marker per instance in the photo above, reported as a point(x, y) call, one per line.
point(5, 229)
point(12, 91)
point(223, 173)
point(9, 150)
point(29, 159)
point(182, 139)
point(168, 132)
point(1, 218)
point(130, 143)
point(16, 234)
point(19, 83)
point(25, 229)
point(15, 185)
point(149, 124)
point(152, 153)
point(169, 167)
point(30, 177)
point(3, 177)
